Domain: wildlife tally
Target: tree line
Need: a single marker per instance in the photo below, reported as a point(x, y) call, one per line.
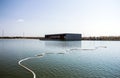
point(102, 38)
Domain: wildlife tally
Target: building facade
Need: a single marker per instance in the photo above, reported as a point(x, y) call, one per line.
point(64, 36)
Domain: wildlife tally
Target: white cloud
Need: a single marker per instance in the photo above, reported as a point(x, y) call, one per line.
point(20, 20)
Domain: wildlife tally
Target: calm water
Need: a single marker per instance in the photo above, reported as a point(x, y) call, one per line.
point(65, 59)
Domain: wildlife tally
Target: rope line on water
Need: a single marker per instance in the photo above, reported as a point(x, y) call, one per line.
point(34, 75)
point(84, 49)
point(42, 54)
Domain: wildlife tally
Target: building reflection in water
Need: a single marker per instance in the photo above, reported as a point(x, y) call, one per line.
point(61, 46)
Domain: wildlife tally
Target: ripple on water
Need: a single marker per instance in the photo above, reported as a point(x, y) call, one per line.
point(55, 65)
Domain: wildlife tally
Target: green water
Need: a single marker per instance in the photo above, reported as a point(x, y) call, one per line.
point(61, 62)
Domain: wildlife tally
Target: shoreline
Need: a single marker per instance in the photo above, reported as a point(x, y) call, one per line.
point(19, 37)
point(101, 38)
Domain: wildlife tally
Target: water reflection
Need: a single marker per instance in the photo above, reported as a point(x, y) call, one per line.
point(62, 45)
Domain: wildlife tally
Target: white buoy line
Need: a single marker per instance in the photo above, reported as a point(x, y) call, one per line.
point(34, 75)
point(87, 48)
point(42, 54)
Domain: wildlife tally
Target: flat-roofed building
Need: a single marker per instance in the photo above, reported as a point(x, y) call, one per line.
point(64, 36)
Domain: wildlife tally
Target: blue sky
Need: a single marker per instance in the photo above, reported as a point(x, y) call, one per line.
point(40, 17)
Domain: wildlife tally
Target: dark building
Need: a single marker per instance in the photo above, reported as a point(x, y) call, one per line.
point(64, 36)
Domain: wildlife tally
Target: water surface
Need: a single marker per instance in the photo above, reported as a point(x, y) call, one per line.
point(60, 60)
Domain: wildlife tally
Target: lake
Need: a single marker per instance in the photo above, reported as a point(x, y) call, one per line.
point(61, 59)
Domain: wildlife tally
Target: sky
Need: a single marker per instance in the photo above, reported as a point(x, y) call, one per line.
point(40, 17)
